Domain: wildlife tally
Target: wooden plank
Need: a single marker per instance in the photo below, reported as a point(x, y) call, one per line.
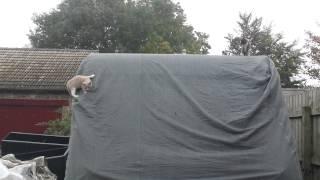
point(316, 107)
point(316, 139)
point(307, 142)
point(296, 132)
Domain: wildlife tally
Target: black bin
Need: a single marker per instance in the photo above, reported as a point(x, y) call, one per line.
point(26, 146)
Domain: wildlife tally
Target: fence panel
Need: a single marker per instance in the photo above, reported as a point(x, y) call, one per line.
point(316, 139)
point(295, 104)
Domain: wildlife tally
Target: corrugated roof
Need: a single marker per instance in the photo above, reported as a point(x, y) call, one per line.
point(38, 69)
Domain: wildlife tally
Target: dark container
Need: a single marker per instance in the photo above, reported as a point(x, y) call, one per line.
point(26, 146)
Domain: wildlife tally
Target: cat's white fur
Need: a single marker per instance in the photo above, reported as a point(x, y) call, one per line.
point(79, 81)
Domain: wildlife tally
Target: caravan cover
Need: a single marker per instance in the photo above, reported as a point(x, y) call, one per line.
point(181, 117)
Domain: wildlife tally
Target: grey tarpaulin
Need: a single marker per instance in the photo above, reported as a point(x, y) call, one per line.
point(159, 117)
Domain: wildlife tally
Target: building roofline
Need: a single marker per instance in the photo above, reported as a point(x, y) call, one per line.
point(49, 49)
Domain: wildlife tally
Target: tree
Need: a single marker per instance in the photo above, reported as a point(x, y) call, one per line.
point(134, 26)
point(156, 44)
point(313, 52)
point(286, 57)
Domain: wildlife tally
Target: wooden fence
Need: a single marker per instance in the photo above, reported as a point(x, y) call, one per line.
point(304, 112)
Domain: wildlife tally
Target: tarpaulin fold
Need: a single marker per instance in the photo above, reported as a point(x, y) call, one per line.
point(190, 117)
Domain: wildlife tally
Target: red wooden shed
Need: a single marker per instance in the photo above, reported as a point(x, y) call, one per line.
point(32, 86)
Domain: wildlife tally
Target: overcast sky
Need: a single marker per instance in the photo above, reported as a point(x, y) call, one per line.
point(217, 18)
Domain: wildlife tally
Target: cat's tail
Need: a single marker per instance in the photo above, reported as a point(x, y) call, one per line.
point(91, 76)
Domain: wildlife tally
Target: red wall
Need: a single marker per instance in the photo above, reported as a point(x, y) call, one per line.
point(27, 115)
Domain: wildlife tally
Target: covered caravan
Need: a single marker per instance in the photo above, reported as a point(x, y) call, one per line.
point(181, 117)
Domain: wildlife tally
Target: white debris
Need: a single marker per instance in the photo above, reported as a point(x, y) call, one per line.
point(14, 169)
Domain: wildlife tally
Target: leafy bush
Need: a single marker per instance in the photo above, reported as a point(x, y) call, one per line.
point(60, 126)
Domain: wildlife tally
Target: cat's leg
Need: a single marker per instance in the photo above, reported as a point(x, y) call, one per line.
point(73, 93)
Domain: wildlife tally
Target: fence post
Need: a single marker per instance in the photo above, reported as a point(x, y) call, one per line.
point(307, 143)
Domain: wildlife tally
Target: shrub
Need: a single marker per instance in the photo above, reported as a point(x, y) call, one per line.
point(60, 126)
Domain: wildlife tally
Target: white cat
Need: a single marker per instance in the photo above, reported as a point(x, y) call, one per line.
point(79, 81)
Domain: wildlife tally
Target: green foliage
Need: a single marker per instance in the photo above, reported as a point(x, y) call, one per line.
point(156, 44)
point(60, 126)
point(133, 26)
point(287, 59)
point(313, 52)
